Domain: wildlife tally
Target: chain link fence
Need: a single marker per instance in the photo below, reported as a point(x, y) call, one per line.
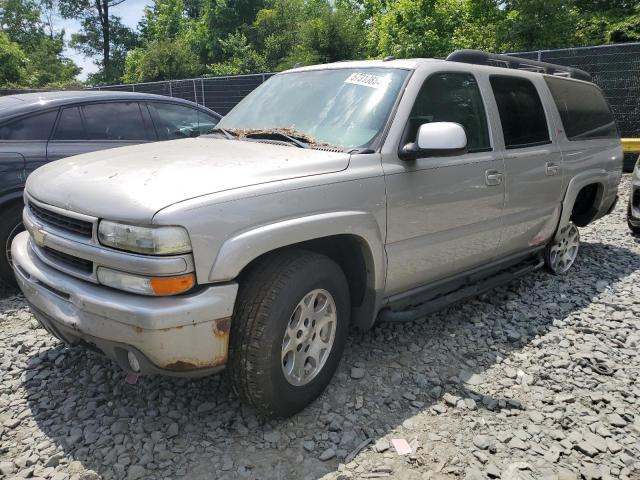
point(220, 94)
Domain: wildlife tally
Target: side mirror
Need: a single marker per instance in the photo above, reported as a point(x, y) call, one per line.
point(436, 139)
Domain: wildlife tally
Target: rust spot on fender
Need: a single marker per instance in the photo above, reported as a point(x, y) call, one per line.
point(221, 327)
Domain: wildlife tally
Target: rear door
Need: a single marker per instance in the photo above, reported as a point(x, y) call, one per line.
point(23, 142)
point(532, 162)
point(98, 126)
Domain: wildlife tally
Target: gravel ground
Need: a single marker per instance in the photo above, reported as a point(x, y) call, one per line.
point(535, 380)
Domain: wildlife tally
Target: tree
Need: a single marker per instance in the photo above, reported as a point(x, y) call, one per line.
point(89, 41)
point(102, 34)
point(12, 63)
point(41, 46)
point(161, 60)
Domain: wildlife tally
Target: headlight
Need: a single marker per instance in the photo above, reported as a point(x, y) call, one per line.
point(157, 286)
point(149, 240)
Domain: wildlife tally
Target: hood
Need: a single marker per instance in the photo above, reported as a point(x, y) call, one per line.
point(133, 183)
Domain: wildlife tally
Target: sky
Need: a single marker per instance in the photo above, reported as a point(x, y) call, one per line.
point(131, 13)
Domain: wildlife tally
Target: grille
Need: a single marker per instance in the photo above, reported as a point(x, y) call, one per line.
point(76, 263)
point(62, 222)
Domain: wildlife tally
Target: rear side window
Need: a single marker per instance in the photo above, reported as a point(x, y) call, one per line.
point(178, 121)
point(583, 110)
point(70, 126)
point(524, 123)
point(114, 121)
point(452, 97)
point(35, 127)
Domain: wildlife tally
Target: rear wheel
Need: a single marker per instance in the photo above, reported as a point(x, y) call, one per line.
point(10, 226)
point(561, 253)
point(288, 331)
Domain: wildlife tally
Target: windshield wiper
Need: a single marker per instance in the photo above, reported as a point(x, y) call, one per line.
point(278, 133)
point(226, 133)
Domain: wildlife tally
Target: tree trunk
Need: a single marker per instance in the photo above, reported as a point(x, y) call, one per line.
point(103, 13)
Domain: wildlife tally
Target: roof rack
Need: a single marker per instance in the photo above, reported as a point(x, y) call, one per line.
point(478, 57)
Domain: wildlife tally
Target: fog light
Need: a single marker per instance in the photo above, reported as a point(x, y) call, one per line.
point(133, 361)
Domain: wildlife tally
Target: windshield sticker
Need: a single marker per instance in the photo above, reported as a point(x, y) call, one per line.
point(368, 80)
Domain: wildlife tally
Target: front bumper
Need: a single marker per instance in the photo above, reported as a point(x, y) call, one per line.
point(186, 335)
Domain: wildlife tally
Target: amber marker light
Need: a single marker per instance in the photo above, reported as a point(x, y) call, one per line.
point(172, 285)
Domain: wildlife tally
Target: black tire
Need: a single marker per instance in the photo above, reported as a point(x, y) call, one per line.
point(634, 230)
point(267, 297)
point(10, 226)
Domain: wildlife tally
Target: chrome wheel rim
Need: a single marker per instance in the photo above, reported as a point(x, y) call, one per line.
point(7, 247)
point(308, 337)
point(564, 251)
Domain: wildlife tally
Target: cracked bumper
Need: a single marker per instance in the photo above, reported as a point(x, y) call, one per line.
point(186, 335)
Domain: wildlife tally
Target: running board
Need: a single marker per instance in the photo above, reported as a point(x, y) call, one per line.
point(480, 286)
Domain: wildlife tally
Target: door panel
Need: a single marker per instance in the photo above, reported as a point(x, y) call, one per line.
point(12, 175)
point(533, 194)
point(444, 213)
point(533, 163)
point(443, 218)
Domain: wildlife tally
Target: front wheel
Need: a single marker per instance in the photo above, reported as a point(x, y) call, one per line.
point(630, 222)
point(10, 226)
point(561, 253)
point(288, 331)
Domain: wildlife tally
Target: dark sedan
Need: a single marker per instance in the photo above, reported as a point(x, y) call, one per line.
point(37, 128)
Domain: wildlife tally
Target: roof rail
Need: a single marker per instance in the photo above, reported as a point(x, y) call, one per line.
point(478, 57)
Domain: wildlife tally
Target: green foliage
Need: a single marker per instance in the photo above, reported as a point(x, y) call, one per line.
point(103, 36)
point(89, 41)
point(248, 36)
point(161, 60)
point(12, 62)
point(32, 51)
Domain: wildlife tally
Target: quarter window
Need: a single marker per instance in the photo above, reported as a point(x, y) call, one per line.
point(452, 97)
point(115, 121)
point(177, 121)
point(524, 123)
point(70, 126)
point(35, 127)
point(583, 110)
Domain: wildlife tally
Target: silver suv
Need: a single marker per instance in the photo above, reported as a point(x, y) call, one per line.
point(332, 196)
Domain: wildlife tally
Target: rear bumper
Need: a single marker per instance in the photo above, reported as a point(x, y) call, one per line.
point(186, 335)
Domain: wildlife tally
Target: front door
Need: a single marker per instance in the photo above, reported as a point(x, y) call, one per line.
point(444, 212)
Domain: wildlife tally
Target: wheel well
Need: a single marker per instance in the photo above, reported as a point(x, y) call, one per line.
point(585, 206)
point(350, 252)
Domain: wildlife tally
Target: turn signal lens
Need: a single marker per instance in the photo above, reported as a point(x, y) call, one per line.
point(156, 286)
point(172, 285)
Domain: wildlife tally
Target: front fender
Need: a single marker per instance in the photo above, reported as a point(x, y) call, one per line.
point(241, 249)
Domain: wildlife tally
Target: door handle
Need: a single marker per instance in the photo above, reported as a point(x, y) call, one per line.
point(551, 168)
point(493, 177)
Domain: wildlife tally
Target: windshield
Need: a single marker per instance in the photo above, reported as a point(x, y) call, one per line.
point(342, 107)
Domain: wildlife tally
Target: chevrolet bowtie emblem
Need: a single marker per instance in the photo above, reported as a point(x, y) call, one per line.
point(39, 236)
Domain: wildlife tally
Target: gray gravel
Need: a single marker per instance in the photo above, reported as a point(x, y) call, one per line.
point(535, 380)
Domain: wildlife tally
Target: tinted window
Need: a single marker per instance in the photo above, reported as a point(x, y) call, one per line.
point(521, 114)
point(114, 121)
point(35, 127)
point(177, 121)
point(452, 97)
point(70, 126)
point(583, 110)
